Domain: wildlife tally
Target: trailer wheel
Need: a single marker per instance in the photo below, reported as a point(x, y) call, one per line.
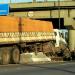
point(15, 55)
point(5, 56)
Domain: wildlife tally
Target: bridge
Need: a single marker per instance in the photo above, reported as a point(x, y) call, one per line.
point(50, 11)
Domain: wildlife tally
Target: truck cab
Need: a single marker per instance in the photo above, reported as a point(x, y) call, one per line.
point(60, 36)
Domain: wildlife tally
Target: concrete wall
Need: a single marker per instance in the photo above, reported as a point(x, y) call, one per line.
point(71, 39)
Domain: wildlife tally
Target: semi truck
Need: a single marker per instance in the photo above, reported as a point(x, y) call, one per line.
point(19, 35)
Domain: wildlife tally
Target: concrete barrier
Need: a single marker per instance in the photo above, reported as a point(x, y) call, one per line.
point(33, 58)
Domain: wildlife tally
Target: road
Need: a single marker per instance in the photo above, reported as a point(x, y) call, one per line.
point(67, 68)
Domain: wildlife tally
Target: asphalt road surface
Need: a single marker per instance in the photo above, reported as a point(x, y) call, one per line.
point(67, 68)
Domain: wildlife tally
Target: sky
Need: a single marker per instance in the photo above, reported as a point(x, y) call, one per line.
point(13, 1)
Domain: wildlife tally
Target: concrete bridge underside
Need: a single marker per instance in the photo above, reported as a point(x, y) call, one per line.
point(46, 10)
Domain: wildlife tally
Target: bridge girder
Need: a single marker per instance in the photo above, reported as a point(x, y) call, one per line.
point(45, 10)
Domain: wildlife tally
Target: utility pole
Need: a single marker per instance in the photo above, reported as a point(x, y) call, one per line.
point(59, 12)
point(9, 1)
point(15, 1)
point(34, 0)
point(45, 0)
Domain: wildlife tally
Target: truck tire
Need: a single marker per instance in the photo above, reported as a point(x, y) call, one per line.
point(15, 55)
point(67, 54)
point(4, 56)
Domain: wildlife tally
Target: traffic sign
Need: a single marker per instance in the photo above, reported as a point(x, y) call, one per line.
point(4, 9)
